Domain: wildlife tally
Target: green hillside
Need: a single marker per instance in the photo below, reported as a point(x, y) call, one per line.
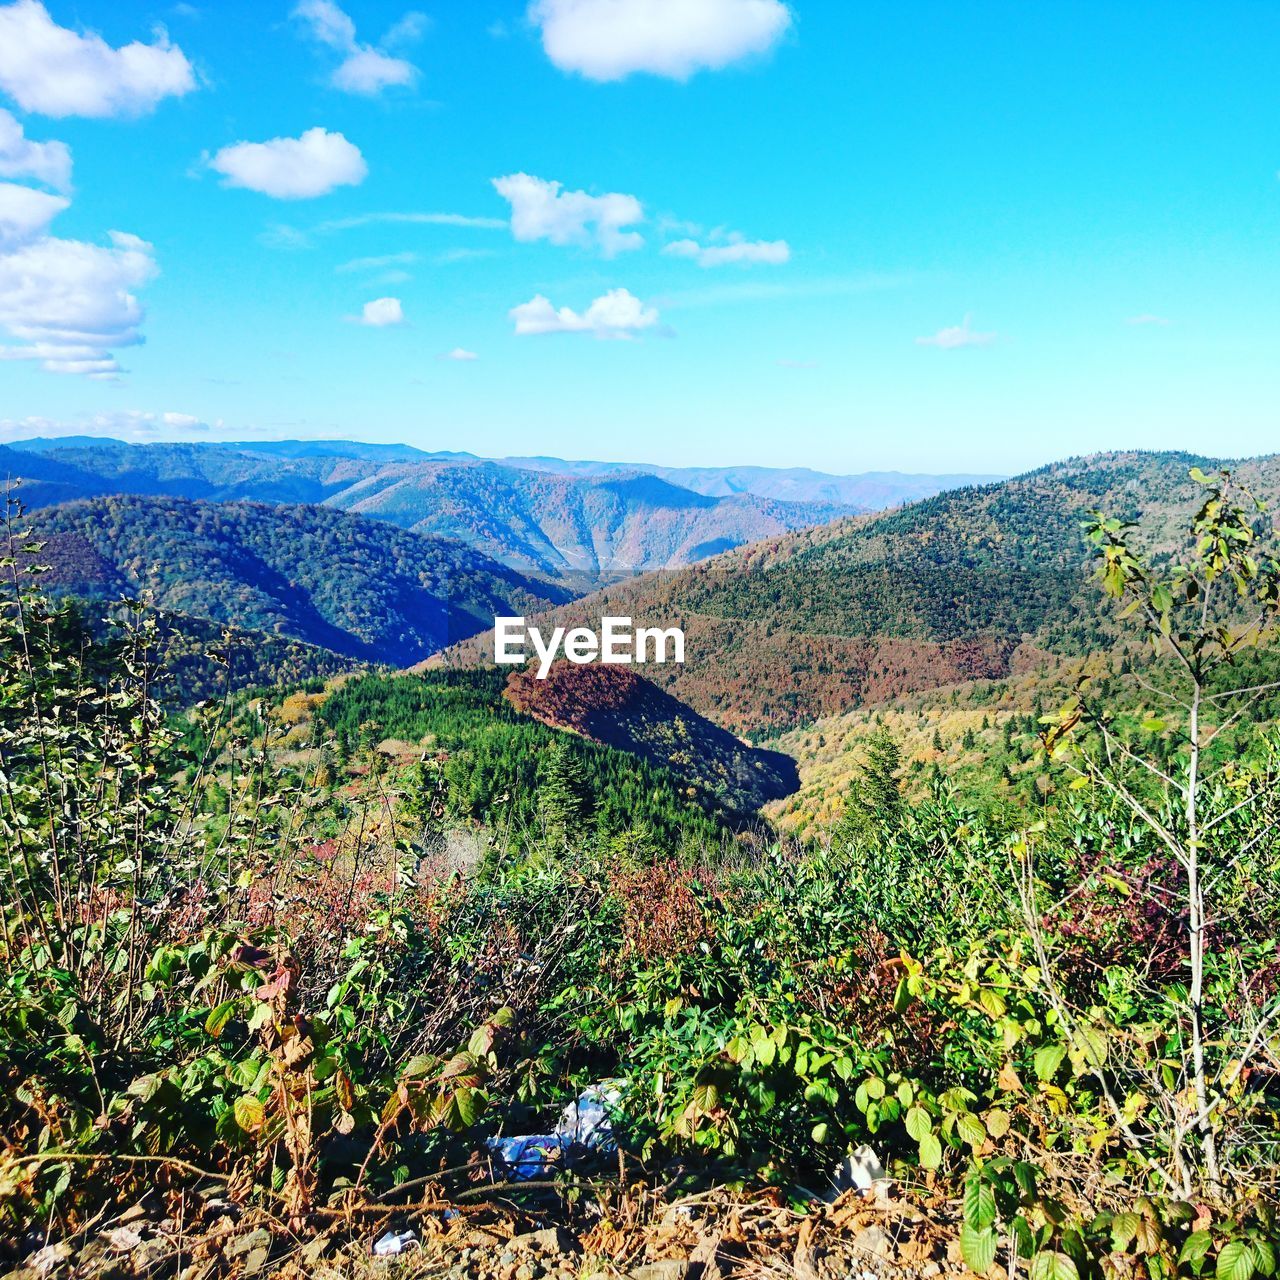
point(975, 583)
point(514, 774)
point(357, 587)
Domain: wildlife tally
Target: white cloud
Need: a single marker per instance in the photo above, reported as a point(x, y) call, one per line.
point(364, 69)
point(293, 168)
point(735, 251)
point(49, 69)
point(460, 354)
point(407, 30)
point(377, 263)
point(70, 304)
point(1145, 319)
point(540, 210)
point(380, 313)
point(959, 335)
point(25, 213)
point(611, 39)
point(411, 219)
point(617, 314)
point(47, 162)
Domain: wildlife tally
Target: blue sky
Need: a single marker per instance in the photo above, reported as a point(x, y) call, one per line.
point(854, 236)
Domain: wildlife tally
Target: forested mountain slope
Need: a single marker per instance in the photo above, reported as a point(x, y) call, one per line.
point(974, 583)
point(360, 588)
point(616, 707)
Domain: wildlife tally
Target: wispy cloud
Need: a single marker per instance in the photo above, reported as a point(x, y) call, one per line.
point(364, 69)
point(377, 263)
point(461, 355)
point(957, 336)
point(759, 290)
point(411, 219)
point(737, 250)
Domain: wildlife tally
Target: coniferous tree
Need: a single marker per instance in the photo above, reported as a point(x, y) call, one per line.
point(561, 792)
point(874, 801)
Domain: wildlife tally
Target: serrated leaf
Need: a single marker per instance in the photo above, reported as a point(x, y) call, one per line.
point(1048, 1058)
point(250, 1113)
point(919, 1123)
point(1053, 1266)
point(971, 1129)
point(1195, 1248)
point(1264, 1257)
point(244, 1073)
point(978, 1248)
point(218, 1018)
point(1124, 1226)
point(997, 1122)
point(979, 1203)
point(930, 1151)
point(1236, 1261)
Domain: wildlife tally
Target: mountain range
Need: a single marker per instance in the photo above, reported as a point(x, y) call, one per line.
point(579, 523)
point(973, 583)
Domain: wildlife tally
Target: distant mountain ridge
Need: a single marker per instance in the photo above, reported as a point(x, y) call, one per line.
point(567, 528)
point(970, 584)
point(571, 521)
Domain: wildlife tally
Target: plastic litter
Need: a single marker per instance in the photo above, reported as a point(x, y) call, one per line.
point(862, 1171)
point(394, 1243)
point(585, 1129)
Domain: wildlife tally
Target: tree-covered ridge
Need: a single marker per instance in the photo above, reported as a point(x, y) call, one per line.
point(615, 706)
point(359, 588)
point(960, 586)
point(516, 775)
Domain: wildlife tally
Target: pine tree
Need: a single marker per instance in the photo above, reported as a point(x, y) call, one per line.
point(561, 793)
point(874, 800)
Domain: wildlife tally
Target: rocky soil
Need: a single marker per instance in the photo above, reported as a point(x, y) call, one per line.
point(710, 1236)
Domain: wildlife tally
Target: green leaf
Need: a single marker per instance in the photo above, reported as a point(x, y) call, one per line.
point(1048, 1058)
point(469, 1106)
point(244, 1073)
point(971, 1129)
point(1053, 1266)
point(1195, 1248)
point(930, 1151)
point(1264, 1257)
point(979, 1203)
point(1124, 1226)
point(978, 1248)
point(918, 1123)
point(997, 1122)
point(1236, 1261)
point(218, 1018)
